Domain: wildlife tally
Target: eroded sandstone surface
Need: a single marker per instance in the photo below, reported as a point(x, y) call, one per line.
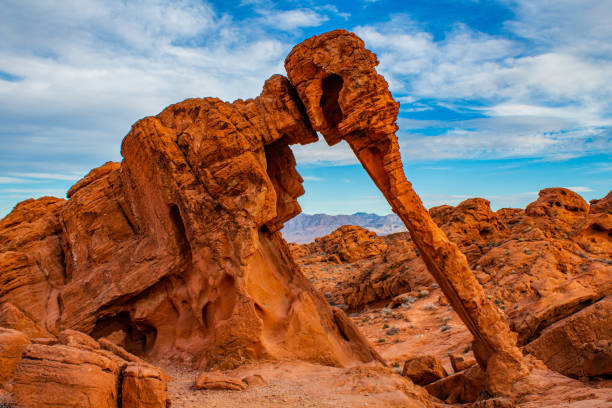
point(546, 268)
point(175, 252)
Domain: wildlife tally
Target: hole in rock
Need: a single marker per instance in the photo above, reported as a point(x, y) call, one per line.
point(208, 316)
point(179, 231)
point(137, 338)
point(329, 100)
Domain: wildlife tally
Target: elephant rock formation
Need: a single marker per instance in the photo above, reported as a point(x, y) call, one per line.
point(176, 253)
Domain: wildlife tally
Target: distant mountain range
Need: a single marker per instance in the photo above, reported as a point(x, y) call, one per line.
point(305, 228)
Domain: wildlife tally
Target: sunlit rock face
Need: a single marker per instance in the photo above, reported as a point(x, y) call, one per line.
point(175, 252)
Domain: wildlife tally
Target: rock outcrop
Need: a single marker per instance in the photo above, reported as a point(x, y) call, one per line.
point(12, 345)
point(351, 243)
point(394, 268)
point(75, 371)
point(174, 253)
point(543, 268)
point(218, 381)
point(579, 345)
point(424, 370)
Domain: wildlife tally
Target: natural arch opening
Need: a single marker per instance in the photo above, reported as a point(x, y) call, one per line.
point(331, 87)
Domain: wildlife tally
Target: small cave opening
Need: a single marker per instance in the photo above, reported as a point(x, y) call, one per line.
point(180, 234)
point(221, 307)
point(136, 337)
point(331, 87)
point(208, 316)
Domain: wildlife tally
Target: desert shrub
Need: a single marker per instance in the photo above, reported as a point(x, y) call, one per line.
point(6, 401)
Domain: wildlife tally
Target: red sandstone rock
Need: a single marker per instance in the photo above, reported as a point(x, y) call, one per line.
point(254, 380)
point(31, 260)
point(12, 345)
point(51, 376)
point(424, 370)
point(536, 272)
point(76, 373)
point(351, 243)
point(579, 345)
point(77, 339)
point(460, 363)
point(471, 225)
point(173, 254)
point(603, 205)
point(465, 386)
point(143, 386)
point(218, 381)
point(13, 318)
point(395, 270)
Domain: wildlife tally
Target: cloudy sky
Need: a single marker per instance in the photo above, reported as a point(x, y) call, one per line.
point(498, 98)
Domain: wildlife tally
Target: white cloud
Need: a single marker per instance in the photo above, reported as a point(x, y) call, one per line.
point(10, 180)
point(50, 176)
point(546, 97)
point(95, 67)
point(312, 178)
point(497, 138)
point(580, 189)
point(321, 153)
point(291, 20)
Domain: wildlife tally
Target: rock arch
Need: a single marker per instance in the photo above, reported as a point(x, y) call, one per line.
point(346, 99)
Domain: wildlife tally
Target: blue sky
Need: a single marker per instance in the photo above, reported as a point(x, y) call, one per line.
point(499, 99)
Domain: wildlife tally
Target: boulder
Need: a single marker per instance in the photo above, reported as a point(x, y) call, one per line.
point(13, 318)
point(143, 386)
point(52, 376)
point(351, 243)
point(460, 363)
point(12, 345)
point(254, 380)
point(463, 387)
point(424, 370)
point(602, 206)
point(218, 381)
point(579, 345)
point(77, 339)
